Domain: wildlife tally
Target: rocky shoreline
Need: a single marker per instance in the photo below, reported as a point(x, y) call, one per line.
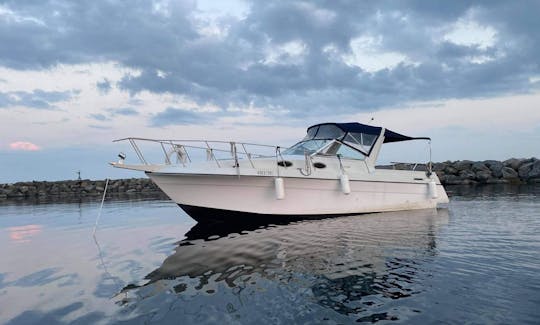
point(490, 171)
point(71, 189)
point(467, 172)
point(462, 172)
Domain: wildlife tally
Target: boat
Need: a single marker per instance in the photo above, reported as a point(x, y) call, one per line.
point(332, 171)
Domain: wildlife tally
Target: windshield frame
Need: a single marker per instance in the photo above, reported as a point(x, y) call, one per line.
point(328, 143)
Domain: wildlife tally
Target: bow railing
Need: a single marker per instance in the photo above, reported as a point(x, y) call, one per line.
point(184, 151)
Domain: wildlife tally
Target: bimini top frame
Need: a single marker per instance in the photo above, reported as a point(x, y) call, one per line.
point(353, 127)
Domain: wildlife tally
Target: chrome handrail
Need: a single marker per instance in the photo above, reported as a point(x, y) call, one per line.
point(207, 145)
point(195, 140)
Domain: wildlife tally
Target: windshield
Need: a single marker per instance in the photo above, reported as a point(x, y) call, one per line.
point(308, 146)
point(354, 145)
point(330, 148)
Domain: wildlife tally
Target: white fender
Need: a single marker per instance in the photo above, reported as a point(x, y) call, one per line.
point(280, 188)
point(345, 184)
point(433, 189)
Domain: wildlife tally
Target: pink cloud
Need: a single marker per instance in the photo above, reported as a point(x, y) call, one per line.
point(23, 145)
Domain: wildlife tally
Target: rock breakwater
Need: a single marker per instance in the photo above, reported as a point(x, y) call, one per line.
point(467, 172)
point(78, 188)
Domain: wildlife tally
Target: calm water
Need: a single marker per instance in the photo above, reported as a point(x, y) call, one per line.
point(476, 262)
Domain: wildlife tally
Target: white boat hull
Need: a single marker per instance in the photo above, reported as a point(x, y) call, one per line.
point(204, 195)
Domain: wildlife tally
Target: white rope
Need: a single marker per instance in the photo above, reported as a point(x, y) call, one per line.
point(101, 207)
point(100, 252)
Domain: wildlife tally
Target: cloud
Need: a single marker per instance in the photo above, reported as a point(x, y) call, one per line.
point(104, 87)
point(179, 116)
point(111, 113)
point(98, 117)
point(308, 58)
point(36, 99)
point(99, 127)
point(126, 111)
point(135, 102)
point(23, 146)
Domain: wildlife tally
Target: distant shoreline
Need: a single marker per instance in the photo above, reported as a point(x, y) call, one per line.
point(462, 172)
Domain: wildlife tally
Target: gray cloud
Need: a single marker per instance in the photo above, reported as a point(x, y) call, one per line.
point(179, 116)
point(99, 127)
point(231, 70)
point(104, 86)
point(112, 112)
point(126, 111)
point(98, 117)
point(135, 102)
point(37, 99)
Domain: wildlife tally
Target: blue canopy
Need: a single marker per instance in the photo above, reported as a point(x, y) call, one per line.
point(389, 136)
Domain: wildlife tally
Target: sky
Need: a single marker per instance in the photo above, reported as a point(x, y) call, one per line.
point(75, 75)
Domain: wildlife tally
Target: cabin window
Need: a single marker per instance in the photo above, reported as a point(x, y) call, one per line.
point(347, 152)
point(343, 150)
point(361, 141)
point(329, 132)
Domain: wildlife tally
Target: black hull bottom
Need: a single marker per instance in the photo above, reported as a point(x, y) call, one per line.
point(210, 215)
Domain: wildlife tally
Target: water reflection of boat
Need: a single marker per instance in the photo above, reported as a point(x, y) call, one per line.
point(352, 257)
point(330, 172)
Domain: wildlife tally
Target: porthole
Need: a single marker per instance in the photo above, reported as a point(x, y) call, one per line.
point(284, 163)
point(319, 165)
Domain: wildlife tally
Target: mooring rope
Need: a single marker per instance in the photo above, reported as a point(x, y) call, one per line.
point(101, 207)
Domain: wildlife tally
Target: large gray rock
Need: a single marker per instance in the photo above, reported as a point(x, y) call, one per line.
point(483, 175)
point(509, 173)
point(14, 193)
point(495, 167)
point(534, 172)
point(480, 166)
point(450, 170)
point(525, 169)
point(463, 165)
point(467, 174)
point(513, 163)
